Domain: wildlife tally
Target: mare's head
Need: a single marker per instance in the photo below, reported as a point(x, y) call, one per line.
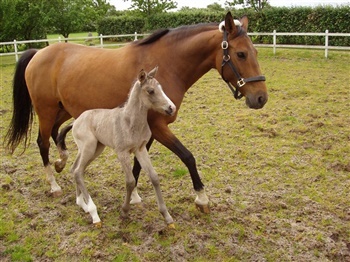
point(153, 95)
point(238, 64)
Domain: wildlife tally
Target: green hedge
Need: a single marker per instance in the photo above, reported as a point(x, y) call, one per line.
point(281, 19)
point(172, 20)
point(119, 25)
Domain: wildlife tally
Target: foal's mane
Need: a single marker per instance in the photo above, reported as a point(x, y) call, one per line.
point(179, 33)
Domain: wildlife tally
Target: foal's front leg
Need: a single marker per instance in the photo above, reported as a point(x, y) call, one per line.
point(125, 161)
point(145, 162)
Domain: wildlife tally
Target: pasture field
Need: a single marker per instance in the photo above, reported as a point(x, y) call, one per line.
point(278, 178)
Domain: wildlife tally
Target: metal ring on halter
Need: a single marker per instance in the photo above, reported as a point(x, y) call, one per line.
point(241, 82)
point(224, 44)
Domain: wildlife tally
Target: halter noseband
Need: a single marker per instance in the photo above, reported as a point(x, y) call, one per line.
point(226, 59)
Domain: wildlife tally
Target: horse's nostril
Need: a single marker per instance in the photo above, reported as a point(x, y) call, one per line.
point(262, 100)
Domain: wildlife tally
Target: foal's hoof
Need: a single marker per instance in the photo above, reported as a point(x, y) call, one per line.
point(98, 224)
point(171, 226)
point(203, 208)
point(56, 194)
point(58, 166)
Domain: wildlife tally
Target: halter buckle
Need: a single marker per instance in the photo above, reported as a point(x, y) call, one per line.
point(241, 82)
point(224, 44)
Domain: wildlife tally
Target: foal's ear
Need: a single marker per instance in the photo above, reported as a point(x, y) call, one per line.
point(142, 76)
point(230, 25)
point(153, 72)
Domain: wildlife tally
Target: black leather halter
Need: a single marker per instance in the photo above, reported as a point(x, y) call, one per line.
point(226, 59)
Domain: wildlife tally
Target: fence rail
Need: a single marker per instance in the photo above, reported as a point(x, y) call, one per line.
point(102, 43)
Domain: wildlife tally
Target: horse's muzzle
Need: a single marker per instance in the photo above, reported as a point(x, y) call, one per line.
point(256, 101)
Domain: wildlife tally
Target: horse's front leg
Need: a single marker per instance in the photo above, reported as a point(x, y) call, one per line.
point(146, 165)
point(125, 161)
point(163, 134)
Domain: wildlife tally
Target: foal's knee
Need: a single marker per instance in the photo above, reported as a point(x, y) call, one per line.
point(130, 184)
point(155, 180)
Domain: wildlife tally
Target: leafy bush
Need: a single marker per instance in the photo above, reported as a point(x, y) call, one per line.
point(118, 25)
point(281, 19)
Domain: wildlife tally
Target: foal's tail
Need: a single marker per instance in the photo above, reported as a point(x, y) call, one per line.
point(61, 143)
point(22, 115)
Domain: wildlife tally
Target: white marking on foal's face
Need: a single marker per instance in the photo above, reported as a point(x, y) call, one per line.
point(157, 99)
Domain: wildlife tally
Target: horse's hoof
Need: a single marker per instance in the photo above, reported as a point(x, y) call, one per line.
point(171, 226)
point(98, 224)
point(203, 208)
point(56, 194)
point(58, 166)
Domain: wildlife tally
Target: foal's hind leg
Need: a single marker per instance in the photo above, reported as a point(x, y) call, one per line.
point(124, 158)
point(145, 162)
point(87, 153)
point(60, 163)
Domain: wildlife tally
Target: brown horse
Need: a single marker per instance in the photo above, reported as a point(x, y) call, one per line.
point(63, 80)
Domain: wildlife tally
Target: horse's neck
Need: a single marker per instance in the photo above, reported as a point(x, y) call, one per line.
point(195, 55)
point(135, 110)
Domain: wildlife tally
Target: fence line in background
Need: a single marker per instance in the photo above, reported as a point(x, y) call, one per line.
point(274, 45)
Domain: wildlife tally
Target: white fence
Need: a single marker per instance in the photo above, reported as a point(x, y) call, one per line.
point(87, 40)
point(274, 45)
point(326, 36)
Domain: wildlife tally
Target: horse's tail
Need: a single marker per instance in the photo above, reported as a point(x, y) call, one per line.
point(22, 115)
point(62, 136)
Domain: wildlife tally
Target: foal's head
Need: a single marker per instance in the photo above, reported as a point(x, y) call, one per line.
point(152, 94)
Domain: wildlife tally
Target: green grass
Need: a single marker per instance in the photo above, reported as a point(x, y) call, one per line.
point(278, 178)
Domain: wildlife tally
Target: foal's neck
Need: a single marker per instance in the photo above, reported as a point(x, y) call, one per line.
point(135, 109)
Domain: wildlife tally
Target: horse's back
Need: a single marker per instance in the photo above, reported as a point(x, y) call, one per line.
point(79, 77)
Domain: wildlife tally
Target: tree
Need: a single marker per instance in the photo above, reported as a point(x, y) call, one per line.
point(68, 16)
point(215, 7)
point(22, 20)
point(150, 7)
point(257, 5)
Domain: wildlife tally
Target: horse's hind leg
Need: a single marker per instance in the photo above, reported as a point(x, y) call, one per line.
point(145, 162)
point(43, 142)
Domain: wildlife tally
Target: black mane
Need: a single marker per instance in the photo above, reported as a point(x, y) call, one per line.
point(181, 32)
point(153, 37)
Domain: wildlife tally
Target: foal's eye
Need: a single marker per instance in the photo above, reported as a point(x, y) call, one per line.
point(241, 55)
point(150, 92)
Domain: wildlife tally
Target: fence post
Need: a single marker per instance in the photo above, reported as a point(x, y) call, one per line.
point(326, 45)
point(101, 41)
point(16, 50)
point(135, 38)
point(274, 41)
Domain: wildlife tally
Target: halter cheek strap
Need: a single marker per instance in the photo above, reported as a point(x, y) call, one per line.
point(226, 59)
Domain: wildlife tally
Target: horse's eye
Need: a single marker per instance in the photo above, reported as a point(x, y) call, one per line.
point(150, 92)
point(241, 55)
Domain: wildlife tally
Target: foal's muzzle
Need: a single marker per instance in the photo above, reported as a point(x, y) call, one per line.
point(170, 110)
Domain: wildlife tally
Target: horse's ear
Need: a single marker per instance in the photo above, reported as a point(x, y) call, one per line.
point(142, 76)
point(153, 72)
point(230, 25)
point(244, 22)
